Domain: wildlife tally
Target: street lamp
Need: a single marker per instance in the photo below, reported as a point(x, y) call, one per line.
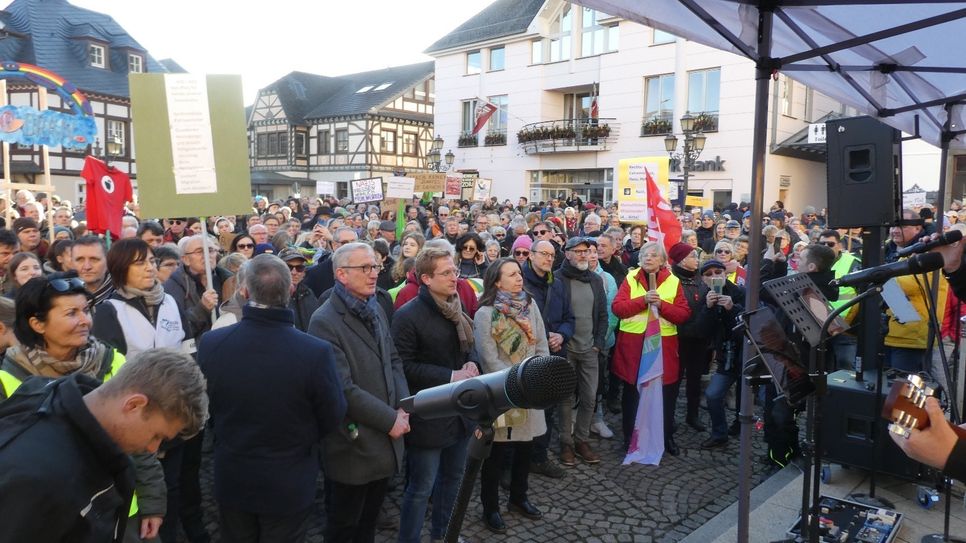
point(693, 145)
point(434, 158)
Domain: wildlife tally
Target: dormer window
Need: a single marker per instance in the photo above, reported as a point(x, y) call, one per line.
point(97, 55)
point(135, 63)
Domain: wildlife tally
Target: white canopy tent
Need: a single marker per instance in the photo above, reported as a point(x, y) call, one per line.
point(898, 61)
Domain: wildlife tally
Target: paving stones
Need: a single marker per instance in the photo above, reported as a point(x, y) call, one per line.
point(604, 503)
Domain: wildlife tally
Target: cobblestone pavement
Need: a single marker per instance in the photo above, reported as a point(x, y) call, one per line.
point(603, 503)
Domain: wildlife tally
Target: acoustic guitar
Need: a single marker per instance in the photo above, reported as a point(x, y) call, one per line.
point(905, 409)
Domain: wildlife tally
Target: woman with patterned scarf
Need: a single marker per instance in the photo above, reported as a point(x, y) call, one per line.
point(508, 329)
point(53, 327)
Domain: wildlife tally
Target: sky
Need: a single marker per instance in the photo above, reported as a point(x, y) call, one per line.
point(265, 40)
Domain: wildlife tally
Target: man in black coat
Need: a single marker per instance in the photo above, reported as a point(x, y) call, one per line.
point(270, 411)
point(434, 338)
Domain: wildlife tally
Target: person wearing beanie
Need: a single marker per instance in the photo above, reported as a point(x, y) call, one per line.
point(694, 336)
point(521, 249)
point(705, 231)
point(28, 232)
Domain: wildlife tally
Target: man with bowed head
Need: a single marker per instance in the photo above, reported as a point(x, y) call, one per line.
point(269, 423)
point(367, 448)
point(82, 490)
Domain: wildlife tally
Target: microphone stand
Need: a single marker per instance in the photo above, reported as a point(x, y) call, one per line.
point(478, 450)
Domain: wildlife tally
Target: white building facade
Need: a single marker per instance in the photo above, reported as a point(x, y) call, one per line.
point(545, 73)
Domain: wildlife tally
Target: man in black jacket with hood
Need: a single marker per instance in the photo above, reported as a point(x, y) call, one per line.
point(64, 445)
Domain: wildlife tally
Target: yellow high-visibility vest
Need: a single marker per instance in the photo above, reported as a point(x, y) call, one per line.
point(11, 384)
point(668, 290)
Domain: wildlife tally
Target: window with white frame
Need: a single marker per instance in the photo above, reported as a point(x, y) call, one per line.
point(659, 97)
point(704, 90)
point(409, 143)
point(595, 38)
point(474, 64)
point(560, 35)
point(97, 55)
point(536, 52)
point(787, 88)
point(497, 58)
point(497, 122)
point(468, 117)
point(342, 141)
point(661, 37)
point(387, 143)
point(135, 63)
point(116, 132)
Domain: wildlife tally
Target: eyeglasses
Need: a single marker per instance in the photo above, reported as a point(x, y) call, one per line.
point(499, 235)
point(829, 243)
point(580, 252)
point(468, 248)
point(146, 262)
point(176, 221)
point(245, 246)
point(722, 251)
point(546, 254)
point(366, 268)
point(540, 232)
point(211, 251)
point(297, 268)
point(71, 284)
point(521, 253)
point(452, 272)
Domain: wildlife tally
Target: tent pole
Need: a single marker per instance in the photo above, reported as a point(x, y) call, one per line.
point(762, 82)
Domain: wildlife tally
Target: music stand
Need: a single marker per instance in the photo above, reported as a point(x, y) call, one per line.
point(807, 308)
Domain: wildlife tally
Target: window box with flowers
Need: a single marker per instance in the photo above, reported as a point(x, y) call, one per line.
point(468, 140)
point(656, 126)
point(592, 131)
point(493, 139)
point(706, 122)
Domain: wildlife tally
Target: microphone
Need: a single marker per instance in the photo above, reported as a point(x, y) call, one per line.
point(538, 382)
point(921, 247)
point(880, 274)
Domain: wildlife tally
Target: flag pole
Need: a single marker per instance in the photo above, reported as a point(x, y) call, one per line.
point(208, 272)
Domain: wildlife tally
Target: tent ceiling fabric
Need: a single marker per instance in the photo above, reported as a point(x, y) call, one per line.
point(888, 77)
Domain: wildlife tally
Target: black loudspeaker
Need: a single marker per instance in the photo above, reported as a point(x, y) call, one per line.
point(848, 413)
point(864, 161)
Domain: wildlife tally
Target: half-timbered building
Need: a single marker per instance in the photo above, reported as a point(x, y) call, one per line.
point(305, 128)
point(94, 53)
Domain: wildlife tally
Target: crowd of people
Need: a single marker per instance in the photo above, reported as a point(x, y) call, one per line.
point(320, 315)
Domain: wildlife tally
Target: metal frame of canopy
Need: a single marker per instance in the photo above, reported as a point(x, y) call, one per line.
point(766, 65)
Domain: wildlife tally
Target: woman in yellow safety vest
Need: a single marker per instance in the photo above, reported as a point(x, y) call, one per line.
point(53, 328)
point(631, 305)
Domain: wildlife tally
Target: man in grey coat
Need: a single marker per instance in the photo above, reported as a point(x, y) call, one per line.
point(367, 448)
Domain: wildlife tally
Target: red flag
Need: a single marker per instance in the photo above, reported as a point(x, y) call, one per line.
point(484, 111)
point(662, 225)
point(108, 189)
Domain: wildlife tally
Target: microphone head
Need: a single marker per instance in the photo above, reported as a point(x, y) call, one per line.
point(953, 236)
point(926, 262)
point(541, 382)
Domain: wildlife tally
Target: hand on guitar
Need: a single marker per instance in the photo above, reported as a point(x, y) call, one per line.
point(932, 444)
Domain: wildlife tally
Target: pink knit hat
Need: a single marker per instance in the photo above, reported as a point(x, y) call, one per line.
point(523, 241)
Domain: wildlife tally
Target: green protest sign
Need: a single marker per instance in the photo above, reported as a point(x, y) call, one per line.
point(192, 145)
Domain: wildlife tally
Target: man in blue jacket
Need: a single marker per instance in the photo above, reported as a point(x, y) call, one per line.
point(558, 319)
point(270, 410)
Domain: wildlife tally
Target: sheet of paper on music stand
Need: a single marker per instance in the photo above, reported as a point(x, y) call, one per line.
point(901, 307)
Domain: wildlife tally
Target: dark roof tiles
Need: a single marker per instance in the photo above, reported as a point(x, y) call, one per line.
point(499, 19)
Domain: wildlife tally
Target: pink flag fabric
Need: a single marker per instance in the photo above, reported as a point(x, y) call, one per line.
point(647, 441)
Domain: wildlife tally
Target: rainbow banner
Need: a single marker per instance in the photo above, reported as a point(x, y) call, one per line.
point(647, 441)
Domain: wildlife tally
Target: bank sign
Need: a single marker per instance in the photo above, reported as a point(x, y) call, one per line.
point(716, 165)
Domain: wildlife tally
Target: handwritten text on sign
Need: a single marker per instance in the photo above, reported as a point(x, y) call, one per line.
point(192, 150)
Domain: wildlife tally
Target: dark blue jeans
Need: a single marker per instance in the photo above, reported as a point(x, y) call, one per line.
point(715, 394)
point(907, 360)
point(435, 472)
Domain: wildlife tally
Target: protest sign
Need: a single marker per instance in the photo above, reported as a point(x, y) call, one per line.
point(631, 187)
point(366, 190)
point(400, 187)
point(429, 182)
point(454, 185)
point(325, 188)
point(481, 189)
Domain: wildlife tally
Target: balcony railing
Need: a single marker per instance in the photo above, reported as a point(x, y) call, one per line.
point(568, 136)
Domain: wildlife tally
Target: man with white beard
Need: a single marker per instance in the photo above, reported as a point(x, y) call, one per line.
point(588, 299)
